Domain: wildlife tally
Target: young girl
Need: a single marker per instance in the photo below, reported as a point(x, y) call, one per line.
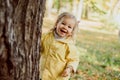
point(59, 57)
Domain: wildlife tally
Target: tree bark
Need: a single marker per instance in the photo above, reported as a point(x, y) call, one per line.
point(20, 35)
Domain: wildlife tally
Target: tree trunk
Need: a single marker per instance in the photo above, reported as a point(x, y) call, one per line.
point(116, 8)
point(86, 11)
point(79, 12)
point(20, 34)
point(59, 6)
point(49, 5)
point(74, 8)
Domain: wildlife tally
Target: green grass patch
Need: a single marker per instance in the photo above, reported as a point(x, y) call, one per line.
point(99, 56)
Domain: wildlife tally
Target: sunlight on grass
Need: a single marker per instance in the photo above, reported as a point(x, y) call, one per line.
point(101, 55)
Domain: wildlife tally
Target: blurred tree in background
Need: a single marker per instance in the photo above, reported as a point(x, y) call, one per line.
point(106, 11)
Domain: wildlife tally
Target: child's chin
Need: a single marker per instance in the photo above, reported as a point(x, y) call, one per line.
point(63, 35)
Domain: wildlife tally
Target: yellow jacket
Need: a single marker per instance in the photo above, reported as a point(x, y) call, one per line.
point(56, 55)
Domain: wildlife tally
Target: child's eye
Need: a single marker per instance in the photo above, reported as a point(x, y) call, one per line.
point(63, 23)
point(69, 27)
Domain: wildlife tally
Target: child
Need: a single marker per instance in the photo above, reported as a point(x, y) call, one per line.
point(59, 57)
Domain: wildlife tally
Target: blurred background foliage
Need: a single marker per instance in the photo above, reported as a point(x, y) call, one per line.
point(106, 11)
point(98, 39)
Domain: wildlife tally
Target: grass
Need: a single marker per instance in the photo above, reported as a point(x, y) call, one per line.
point(99, 55)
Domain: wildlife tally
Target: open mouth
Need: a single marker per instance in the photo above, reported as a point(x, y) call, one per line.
point(64, 31)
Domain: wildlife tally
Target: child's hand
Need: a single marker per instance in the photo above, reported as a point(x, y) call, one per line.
point(66, 72)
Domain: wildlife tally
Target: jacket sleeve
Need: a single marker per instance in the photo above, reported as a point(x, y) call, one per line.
point(42, 40)
point(72, 57)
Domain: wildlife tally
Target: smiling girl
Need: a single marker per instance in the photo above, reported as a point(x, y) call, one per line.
point(59, 56)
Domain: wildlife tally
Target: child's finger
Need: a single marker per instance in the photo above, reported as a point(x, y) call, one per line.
point(64, 75)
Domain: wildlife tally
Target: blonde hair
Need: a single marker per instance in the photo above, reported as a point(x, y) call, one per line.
point(61, 18)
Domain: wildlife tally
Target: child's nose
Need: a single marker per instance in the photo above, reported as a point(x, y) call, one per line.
point(66, 26)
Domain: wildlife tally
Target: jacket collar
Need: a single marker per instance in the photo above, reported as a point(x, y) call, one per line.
point(63, 40)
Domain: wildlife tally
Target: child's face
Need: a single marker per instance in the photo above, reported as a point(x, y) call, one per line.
point(65, 28)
